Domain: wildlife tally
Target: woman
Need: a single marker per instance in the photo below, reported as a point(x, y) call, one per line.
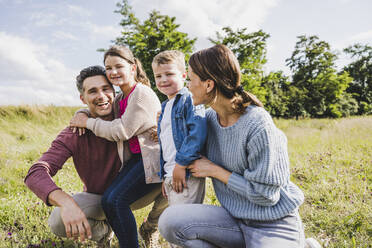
point(137, 106)
point(248, 162)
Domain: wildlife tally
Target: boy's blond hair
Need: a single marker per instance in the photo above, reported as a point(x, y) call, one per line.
point(171, 56)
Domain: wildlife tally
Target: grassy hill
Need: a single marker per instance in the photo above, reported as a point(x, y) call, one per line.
point(331, 160)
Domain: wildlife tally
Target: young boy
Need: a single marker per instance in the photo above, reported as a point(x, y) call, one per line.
point(181, 130)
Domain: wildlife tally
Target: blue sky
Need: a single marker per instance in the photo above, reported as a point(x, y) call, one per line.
point(44, 44)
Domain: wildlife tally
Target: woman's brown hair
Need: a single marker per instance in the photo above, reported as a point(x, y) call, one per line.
point(125, 53)
point(219, 64)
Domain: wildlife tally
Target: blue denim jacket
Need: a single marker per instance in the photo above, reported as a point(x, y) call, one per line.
point(189, 128)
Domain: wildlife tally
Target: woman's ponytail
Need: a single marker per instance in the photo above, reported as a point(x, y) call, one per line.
point(242, 99)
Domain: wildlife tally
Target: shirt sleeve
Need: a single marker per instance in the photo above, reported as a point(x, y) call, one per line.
point(193, 143)
point(83, 111)
point(269, 168)
point(140, 115)
point(39, 177)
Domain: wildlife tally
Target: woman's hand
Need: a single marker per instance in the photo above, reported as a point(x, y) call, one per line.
point(203, 167)
point(79, 121)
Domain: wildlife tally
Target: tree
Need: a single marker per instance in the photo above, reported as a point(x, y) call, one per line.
point(277, 98)
point(250, 50)
point(155, 34)
point(361, 72)
point(315, 77)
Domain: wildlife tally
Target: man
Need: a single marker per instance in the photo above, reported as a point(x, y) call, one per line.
point(97, 162)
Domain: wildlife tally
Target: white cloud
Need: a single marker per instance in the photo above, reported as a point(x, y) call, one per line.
point(79, 10)
point(30, 75)
point(42, 19)
point(71, 25)
point(202, 19)
point(344, 59)
point(64, 35)
point(108, 31)
point(362, 37)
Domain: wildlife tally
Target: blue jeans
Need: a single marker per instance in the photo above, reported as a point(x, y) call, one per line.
point(127, 187)
point(207, 226)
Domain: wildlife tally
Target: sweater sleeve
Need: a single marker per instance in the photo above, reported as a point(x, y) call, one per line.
point(139, 116)
point(193, 143)
point(268, 167)
point(39, 177)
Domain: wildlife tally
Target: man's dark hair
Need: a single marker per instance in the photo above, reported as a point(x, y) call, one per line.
point(91, 71)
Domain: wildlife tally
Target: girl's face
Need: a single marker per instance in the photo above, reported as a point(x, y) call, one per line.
point(119, 71)
point(197, 87)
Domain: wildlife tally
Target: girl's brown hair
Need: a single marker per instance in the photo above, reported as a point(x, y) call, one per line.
point(219, 64)
point(125, 53)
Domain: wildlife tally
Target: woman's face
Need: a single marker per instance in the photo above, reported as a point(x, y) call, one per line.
point(197, 87)
point(119, 71)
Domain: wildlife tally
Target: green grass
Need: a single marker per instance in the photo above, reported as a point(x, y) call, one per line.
point(331, 160)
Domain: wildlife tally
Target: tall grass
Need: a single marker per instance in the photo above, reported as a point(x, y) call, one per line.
point(331, 160)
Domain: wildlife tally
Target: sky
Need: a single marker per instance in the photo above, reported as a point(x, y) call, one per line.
point(44, 44)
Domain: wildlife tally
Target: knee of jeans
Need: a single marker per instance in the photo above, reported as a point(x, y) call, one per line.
point(168, 224)
point(112, 201)
point(107, 203)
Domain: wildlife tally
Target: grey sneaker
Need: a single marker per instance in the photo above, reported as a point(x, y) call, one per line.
point(312, 243)
point(105, 242)
point(148, 238)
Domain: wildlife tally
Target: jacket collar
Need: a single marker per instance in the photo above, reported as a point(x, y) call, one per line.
point(183, 91)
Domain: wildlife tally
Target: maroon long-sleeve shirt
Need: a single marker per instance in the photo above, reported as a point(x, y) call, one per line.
point(96, 161)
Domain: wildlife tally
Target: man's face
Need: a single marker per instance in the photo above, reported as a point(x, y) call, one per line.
point(98, 94)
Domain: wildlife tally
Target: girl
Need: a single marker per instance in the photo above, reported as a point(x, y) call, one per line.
point(137, 106)
point(248, 162)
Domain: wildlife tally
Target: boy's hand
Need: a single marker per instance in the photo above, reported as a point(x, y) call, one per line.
point(163, 190)
point(179, 178)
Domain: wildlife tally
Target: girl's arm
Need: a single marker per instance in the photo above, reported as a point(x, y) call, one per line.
point(140, 115)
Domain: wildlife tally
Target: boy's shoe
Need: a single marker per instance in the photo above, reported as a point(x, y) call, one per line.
point(312, 243)
point(148, 238)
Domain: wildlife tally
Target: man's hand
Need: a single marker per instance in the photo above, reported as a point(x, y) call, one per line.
point(179, 178)
point(76, 224)
point(75, 221)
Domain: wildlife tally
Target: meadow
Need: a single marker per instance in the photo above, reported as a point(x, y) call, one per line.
point(331, 161)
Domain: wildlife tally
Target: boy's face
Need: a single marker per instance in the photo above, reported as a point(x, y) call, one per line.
point(169, 79)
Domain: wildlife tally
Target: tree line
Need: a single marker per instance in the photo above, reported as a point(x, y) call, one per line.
point(314, 89)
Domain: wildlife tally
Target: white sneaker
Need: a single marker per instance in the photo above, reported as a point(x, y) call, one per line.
point(312, 243)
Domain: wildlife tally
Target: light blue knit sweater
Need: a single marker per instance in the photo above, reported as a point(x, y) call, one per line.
point(255, 151)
